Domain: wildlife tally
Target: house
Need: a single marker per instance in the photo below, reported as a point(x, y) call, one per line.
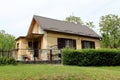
point(46, 33)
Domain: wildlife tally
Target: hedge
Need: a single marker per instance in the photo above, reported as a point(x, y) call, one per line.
point(7, 61)
point(91, 57)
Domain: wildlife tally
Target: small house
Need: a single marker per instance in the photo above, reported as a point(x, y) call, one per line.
point(46, 33)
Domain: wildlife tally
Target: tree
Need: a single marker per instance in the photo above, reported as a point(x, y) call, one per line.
point(90, 24)
point(74, 19)
point(7, 41)
point(77, 20)
point(110, 30)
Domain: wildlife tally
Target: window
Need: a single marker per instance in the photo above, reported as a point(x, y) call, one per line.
point(63, 42)
point(88, 44)
point(17, 45)
point(30, 45)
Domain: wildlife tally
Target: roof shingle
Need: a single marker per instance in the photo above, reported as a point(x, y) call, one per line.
point(65, 27)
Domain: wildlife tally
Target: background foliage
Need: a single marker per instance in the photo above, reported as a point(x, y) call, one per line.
point(7, 61)
point(7, 41)
point(110, 31)
point(77, 20)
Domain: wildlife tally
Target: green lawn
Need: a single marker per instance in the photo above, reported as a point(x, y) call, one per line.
point(58, 72)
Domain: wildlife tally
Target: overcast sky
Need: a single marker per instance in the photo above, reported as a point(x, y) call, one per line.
point(16, 15)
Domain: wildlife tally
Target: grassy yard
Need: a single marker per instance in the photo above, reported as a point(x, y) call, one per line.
point(58, 72)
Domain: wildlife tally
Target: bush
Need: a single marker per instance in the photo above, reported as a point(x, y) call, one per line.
point(7, 61)
point(91, 57)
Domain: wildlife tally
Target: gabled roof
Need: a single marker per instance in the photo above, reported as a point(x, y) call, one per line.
point(64, 27)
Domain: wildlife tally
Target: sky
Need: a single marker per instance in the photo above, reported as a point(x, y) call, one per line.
point(16, 15)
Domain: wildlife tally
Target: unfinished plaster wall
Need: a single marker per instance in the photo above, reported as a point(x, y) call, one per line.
point(53, 36)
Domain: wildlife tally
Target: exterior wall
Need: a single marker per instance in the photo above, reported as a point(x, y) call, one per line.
point(52, 40)
point(44, 41)
point(37, 29)
point(24, 50)
point(22, 46)
point(23, 43)
point(49, 41)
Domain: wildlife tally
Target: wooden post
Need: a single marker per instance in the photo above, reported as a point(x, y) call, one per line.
point(51, 55)
point(60, 56)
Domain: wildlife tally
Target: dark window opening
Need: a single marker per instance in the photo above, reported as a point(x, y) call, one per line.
point(88, 44)
point(35, 47)
point(30, 45)
point(17, 45)
point(63, 42)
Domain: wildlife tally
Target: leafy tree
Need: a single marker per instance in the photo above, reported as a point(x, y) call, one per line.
point(77, 20)
point(90, 24)
point(74, 19)
point(7, 41)
point(110, 30)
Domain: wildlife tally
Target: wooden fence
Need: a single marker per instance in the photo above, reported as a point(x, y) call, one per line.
point(8, 53)
point(43, 55)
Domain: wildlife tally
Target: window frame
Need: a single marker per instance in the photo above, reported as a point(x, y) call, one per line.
point(87, 44)
point(66, 42)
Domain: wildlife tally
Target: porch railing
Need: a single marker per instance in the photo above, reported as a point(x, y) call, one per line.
point(33, 55)
point(8, 53)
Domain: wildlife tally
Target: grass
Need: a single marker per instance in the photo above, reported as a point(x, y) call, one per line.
point(58, 72)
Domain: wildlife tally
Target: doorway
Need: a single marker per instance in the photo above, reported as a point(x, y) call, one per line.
point(36, 49)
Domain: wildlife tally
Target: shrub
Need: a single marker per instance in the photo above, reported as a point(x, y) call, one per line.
point(91, 57)
point(7, 61)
